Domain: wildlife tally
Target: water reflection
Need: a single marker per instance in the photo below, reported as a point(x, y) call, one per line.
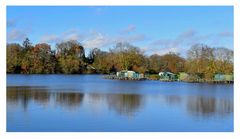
point(173, 100)
point(25, 95)
point(122, 104)
point(125, 104)
point(204, 106)
point(69, 100)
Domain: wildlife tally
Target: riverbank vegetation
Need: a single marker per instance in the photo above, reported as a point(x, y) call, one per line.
point(69, 57)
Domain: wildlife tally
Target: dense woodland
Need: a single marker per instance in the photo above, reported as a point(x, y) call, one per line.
point(69, 58)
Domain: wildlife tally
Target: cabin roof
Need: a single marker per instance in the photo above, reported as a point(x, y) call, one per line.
point(126, 71)
point(166, 73)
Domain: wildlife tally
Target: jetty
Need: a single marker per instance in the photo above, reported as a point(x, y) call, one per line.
point(115, 77)
point(170, 77)
point(126, 75)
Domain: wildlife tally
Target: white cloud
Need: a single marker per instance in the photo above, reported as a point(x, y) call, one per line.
point(164, 46)
point(161, 50)
point(128, 29)
point(225, 34)
point(182, 38)
point(97, 41)
point(16, 35)
point(131, 38)
point(167, 50)
point(186, 39)
point(65, 36)
point(72, 35)
point(49, 38)
point(11, 23)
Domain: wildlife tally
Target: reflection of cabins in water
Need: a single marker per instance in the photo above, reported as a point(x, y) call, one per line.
point(167, 76)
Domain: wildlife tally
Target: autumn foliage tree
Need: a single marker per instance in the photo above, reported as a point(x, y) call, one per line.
point(14, 57)
point(44, 59)
point(103, 61)
point(129, 57)
point(69, 57)
point(172, 62)
point(206, 61)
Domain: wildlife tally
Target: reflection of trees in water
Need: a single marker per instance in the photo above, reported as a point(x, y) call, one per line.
point(202, 105)
point(41, 97)
point(209, 106)
point(124, 104)
point(225, 106)
point(69, 100)
point(24, 95)
point(173, 99)
point(97, 97)
point(96, 102)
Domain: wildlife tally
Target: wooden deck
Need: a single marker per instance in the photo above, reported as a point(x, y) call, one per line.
point(114, 77)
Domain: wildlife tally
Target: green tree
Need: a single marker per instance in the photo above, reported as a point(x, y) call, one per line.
point(172, 62)
point(155, 63)
point(44, 59)
point(27, 57)
point(14, 58)
point(129, 57)
point(27, 44)
point(201, 61)
point(224, 60)
point(71, 56)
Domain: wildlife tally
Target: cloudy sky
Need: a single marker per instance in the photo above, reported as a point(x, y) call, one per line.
point(153, 29)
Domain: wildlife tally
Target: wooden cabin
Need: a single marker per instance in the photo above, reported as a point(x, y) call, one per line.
point(167, 76)
point(127, 74)
point(223, 77)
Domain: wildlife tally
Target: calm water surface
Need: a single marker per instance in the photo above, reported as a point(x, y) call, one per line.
point(90, 103)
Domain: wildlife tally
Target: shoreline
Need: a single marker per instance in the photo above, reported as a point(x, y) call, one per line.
point(113, 77)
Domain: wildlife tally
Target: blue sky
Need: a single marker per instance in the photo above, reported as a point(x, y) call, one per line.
point(155, 29)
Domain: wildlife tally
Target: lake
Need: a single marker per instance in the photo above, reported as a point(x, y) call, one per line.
point(89, 103)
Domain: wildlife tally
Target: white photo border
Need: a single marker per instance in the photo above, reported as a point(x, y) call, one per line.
point(120, 135)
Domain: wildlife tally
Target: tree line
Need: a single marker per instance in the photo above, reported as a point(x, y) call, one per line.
point(69, 58)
